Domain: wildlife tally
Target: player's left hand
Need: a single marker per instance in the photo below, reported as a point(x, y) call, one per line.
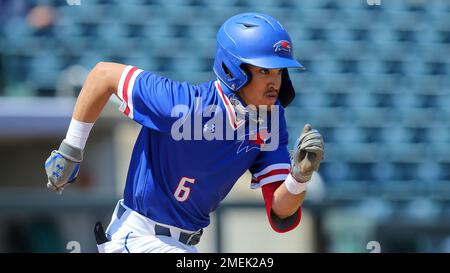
point(308, 153)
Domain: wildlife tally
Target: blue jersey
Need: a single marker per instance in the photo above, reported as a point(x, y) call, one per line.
point(179, 182)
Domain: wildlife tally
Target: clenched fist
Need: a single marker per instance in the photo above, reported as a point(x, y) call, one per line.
point(62, 166)
point(308, 154)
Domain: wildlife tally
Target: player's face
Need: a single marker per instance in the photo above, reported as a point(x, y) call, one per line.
point(263, 88)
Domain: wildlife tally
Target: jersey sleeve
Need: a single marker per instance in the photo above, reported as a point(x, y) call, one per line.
point(149, 99)
point(278, 224)
point(272, 166)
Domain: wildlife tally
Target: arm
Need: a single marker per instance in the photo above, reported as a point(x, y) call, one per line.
point(63, 165)
point(100, 84)
point(289, 196)
point(277, 223)
point(285, 203)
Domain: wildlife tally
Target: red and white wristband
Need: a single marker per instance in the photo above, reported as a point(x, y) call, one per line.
point(295, 187)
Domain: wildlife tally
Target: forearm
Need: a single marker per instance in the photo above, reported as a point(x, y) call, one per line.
point(285, 203)
point(100, 84)
point(308, 154)
point(63, 165)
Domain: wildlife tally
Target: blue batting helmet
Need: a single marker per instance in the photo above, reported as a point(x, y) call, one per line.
point(251, 38)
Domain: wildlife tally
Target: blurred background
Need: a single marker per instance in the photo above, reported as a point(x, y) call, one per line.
point(377, 86)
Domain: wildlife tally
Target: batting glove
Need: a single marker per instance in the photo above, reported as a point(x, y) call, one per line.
point(308, 153)
point(62, 166)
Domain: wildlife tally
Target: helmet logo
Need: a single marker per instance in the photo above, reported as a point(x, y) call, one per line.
point(282, 45)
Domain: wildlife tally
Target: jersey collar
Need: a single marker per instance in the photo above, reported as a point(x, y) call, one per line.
point(223, 92)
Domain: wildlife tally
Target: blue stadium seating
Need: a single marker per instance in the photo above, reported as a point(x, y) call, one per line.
point(377, 82)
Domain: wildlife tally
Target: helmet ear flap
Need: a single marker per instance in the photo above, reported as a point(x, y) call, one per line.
point(244, 67)
point(287, 91)
point(228, 70)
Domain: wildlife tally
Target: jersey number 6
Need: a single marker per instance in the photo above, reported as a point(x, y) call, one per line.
point(182, 191)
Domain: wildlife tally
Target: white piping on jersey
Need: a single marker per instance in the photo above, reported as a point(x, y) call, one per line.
point(123, 105)
point(267, 180)
point(130, 92)
point(229, 107)
point(271, 168)
point(128, 101)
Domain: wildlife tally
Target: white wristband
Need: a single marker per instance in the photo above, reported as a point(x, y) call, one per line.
point(78, 133)
point(293, 186)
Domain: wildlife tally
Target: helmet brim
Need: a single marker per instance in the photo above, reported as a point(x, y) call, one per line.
point(273, 63)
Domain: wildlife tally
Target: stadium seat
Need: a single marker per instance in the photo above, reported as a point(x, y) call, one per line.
point(381, 70)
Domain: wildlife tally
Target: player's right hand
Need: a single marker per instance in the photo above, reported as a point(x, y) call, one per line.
point(62, 166)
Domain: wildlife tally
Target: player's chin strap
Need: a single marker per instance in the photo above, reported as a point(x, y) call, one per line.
point(242, 112)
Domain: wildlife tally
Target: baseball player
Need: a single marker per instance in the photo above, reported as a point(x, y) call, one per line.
point(174, 184)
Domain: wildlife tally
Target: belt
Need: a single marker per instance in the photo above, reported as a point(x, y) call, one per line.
point(185, 237)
